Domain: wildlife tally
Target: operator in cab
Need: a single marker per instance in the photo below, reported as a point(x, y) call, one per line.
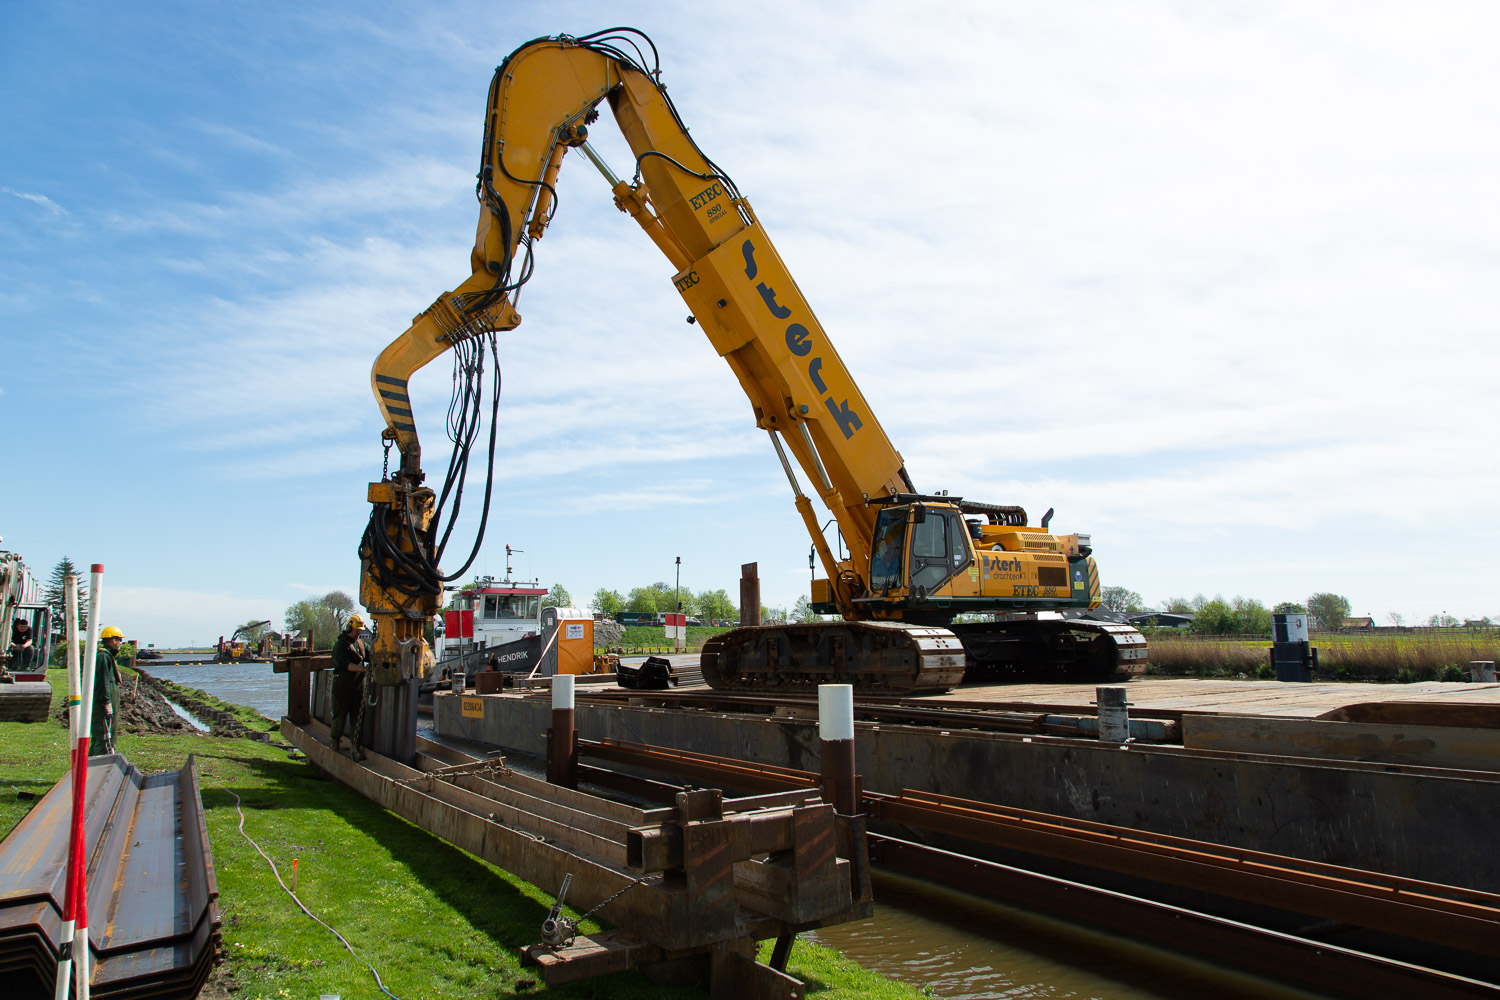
point(349, 659)
point(22, 650)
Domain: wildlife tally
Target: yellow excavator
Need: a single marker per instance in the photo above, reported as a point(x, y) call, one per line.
point(239, 646)
point(926, 586)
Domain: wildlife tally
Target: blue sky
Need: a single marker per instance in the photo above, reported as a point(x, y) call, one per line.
point(1215, 283)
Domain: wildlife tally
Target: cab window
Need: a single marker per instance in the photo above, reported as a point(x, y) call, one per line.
point(939, 548)
point(886, 555)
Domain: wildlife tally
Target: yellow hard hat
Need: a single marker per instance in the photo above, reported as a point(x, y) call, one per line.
point(355, 621)
point(111, 633)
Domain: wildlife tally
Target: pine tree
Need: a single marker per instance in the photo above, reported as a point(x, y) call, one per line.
point(53, 594)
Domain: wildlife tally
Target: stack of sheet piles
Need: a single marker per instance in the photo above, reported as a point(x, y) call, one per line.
point(152, 896)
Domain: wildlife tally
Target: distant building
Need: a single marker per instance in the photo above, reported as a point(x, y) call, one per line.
point(1096, 615)
point(1160, 619)
point(1359, 623)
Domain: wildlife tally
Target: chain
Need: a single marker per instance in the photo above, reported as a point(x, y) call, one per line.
point(489, 768)
point(560, 932)
point(611, 899)
point(385, 467)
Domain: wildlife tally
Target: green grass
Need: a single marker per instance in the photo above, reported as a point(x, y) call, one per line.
point(434, 921)
point(650, 639)
point(1393, 657)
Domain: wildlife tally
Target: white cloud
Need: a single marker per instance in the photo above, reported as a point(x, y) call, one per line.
point(51, 206)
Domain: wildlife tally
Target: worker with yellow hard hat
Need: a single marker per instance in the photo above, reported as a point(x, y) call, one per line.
point(106, 715)
point(349, 659)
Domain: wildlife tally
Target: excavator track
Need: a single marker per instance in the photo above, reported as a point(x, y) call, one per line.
point(892, 658)
point(887, 658)
point(1066, 649)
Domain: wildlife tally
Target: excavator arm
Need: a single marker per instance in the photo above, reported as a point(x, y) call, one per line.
point(542, 100)
point(244, 630)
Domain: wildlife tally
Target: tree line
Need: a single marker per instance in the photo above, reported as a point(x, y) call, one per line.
point(1246, 616)
point(321, 619)
point(661, 596)
point(1240, 616)
point(706, 605)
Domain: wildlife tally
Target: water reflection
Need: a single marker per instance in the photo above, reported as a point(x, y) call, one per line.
point(186, 716)
point(966, 948)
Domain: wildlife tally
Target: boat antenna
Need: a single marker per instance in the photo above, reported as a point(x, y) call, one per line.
point(508, 553)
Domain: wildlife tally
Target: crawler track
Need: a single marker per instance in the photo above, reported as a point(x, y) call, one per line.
point(1065, 649)
point(876, 657)
point(892, 658)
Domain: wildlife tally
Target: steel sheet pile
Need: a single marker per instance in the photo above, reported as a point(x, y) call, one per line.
point(152, 895)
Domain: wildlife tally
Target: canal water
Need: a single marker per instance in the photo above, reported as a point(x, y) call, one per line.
point(250, 684)
point(952, 944)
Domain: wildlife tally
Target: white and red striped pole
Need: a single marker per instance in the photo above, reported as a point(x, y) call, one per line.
point(79, 763)
point(82, 972)
point(75, 933)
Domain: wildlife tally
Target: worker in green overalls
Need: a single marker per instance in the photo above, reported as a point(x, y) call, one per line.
point(349, 658)
point(106, 715)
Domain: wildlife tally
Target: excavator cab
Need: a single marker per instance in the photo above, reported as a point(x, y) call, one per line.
point(917, 548)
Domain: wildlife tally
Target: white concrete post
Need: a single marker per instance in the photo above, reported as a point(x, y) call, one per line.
point(1114, 718)
point(562, 692)
point(836, 750)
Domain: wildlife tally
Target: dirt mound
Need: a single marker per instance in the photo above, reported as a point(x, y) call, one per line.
point(142, 709)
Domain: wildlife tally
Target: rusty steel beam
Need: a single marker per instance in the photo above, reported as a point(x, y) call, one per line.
point(709, 900)
point(699, 767)
point(1438, 914)
point(968, 715)
point(655, 849)
point(1283, 956)
point(617, 781)
point(1019, 713)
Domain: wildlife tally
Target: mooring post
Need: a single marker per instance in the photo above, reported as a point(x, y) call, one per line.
point(750, 594)
point(1482, 671)
point(1292, 657)
point(562, 743)
point(841, 786)
point(298, 692)
point(1114, 717)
